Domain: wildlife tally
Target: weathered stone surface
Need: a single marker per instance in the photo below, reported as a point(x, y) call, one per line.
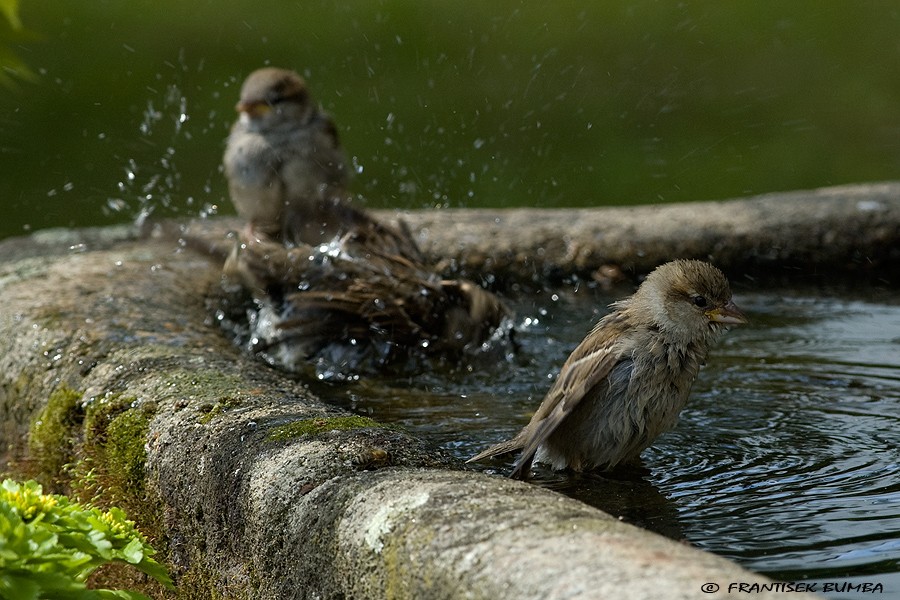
point(262, 490)
point(843, 230)
point(840, 231)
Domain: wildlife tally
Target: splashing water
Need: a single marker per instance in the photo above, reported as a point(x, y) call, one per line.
point(147, 189)
point(347, 316)
point(152, 185)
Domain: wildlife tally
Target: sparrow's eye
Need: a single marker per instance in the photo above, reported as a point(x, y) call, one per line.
point(700, 301)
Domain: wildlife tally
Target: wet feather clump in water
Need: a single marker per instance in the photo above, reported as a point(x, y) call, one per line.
point(349, 315)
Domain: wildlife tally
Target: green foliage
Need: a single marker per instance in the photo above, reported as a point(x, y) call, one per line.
point(504, 103)
point(96, 452)
point(49, 546)
point(11, 30)
point(10, 10)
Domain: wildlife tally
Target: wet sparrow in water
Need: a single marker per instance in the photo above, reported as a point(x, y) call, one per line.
point(287, 174)
point(629, 378)
point(359, 312)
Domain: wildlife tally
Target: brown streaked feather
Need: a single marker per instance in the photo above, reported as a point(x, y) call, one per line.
point(381, 292)
point(587, 367)
point(577, 379)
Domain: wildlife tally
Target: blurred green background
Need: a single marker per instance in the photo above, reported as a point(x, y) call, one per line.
point(500, 103)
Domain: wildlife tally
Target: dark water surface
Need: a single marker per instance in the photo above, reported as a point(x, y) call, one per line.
point(785, 460)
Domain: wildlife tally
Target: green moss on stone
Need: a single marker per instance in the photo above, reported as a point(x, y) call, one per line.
point(211, 411)
point(210, 381)
point(53, 436)
point(115, 436)
point(201, 583)
point(125, 448)
point(97, 452)
point(111, 468)
point(319, 426)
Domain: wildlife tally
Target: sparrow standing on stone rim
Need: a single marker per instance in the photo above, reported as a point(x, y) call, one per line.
point(283, 154)
point(627, 381)
point(287, 173)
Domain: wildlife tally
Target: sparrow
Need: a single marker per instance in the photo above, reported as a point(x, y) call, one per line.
point(627, 381)
point(283, 150)
point(357, 311)
point(287, 172)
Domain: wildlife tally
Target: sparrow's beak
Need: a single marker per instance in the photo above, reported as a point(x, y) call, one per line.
point(253, 109)
point(729, 314)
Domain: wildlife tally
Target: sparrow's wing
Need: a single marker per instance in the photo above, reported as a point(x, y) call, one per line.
point(585, 371)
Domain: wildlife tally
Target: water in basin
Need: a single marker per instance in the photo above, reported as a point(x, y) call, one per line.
point(786, 459)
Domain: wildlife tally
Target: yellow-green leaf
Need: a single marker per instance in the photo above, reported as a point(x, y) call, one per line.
point(10, 9)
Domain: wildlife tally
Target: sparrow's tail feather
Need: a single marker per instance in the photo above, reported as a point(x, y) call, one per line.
point(506, 447)
point(522, 467)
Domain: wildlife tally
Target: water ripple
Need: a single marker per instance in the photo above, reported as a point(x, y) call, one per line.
point(787, 458)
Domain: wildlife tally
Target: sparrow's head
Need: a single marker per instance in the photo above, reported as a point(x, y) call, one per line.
point(271, 95)
point(688, 299)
